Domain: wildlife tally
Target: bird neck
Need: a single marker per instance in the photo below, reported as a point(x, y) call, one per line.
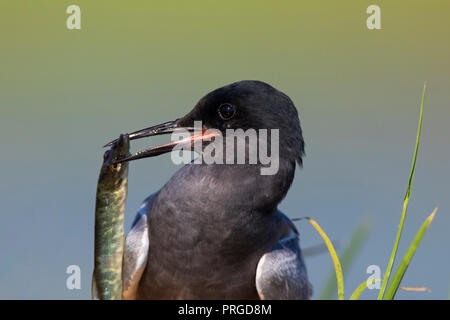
point(245, 184)
point(270, 190)
point(226, 190)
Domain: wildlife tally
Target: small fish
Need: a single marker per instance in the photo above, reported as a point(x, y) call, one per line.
point(112, 190)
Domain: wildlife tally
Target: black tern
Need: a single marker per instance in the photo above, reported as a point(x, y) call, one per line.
point(214, 231)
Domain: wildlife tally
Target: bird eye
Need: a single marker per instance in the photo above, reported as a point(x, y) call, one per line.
point(226, 111)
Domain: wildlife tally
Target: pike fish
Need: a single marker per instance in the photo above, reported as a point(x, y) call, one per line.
point(112, 190)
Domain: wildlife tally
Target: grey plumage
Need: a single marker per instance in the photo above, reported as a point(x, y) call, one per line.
point(281, 272)
point(214, 231)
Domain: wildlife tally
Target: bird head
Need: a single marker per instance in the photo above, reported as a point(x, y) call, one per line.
point(240, 105)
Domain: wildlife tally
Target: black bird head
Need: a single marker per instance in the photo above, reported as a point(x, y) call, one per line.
point(240, 105)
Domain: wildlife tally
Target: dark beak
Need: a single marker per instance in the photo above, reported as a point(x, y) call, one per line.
point(163, 128)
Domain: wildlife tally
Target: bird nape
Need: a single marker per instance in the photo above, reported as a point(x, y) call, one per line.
point(214, 231)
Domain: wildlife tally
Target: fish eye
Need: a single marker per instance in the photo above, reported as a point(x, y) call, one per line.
point(226, 111)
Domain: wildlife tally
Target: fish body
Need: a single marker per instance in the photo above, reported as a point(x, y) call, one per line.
point(111, 196)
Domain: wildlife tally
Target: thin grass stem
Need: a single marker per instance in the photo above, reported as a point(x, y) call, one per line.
point(405, 204)
point(398, 276)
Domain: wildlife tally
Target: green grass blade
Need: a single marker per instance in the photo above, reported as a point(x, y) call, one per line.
point(398, 276)
point(355, 295)
point(405, 204)
point(349, 254)
point(333, 254)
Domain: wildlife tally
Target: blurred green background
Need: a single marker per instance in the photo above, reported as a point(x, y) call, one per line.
point(64, 93)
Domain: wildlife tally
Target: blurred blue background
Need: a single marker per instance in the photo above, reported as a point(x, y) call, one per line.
point(64, 93)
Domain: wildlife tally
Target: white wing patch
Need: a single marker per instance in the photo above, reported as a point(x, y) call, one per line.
point(281, 273)
point(135, 255)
